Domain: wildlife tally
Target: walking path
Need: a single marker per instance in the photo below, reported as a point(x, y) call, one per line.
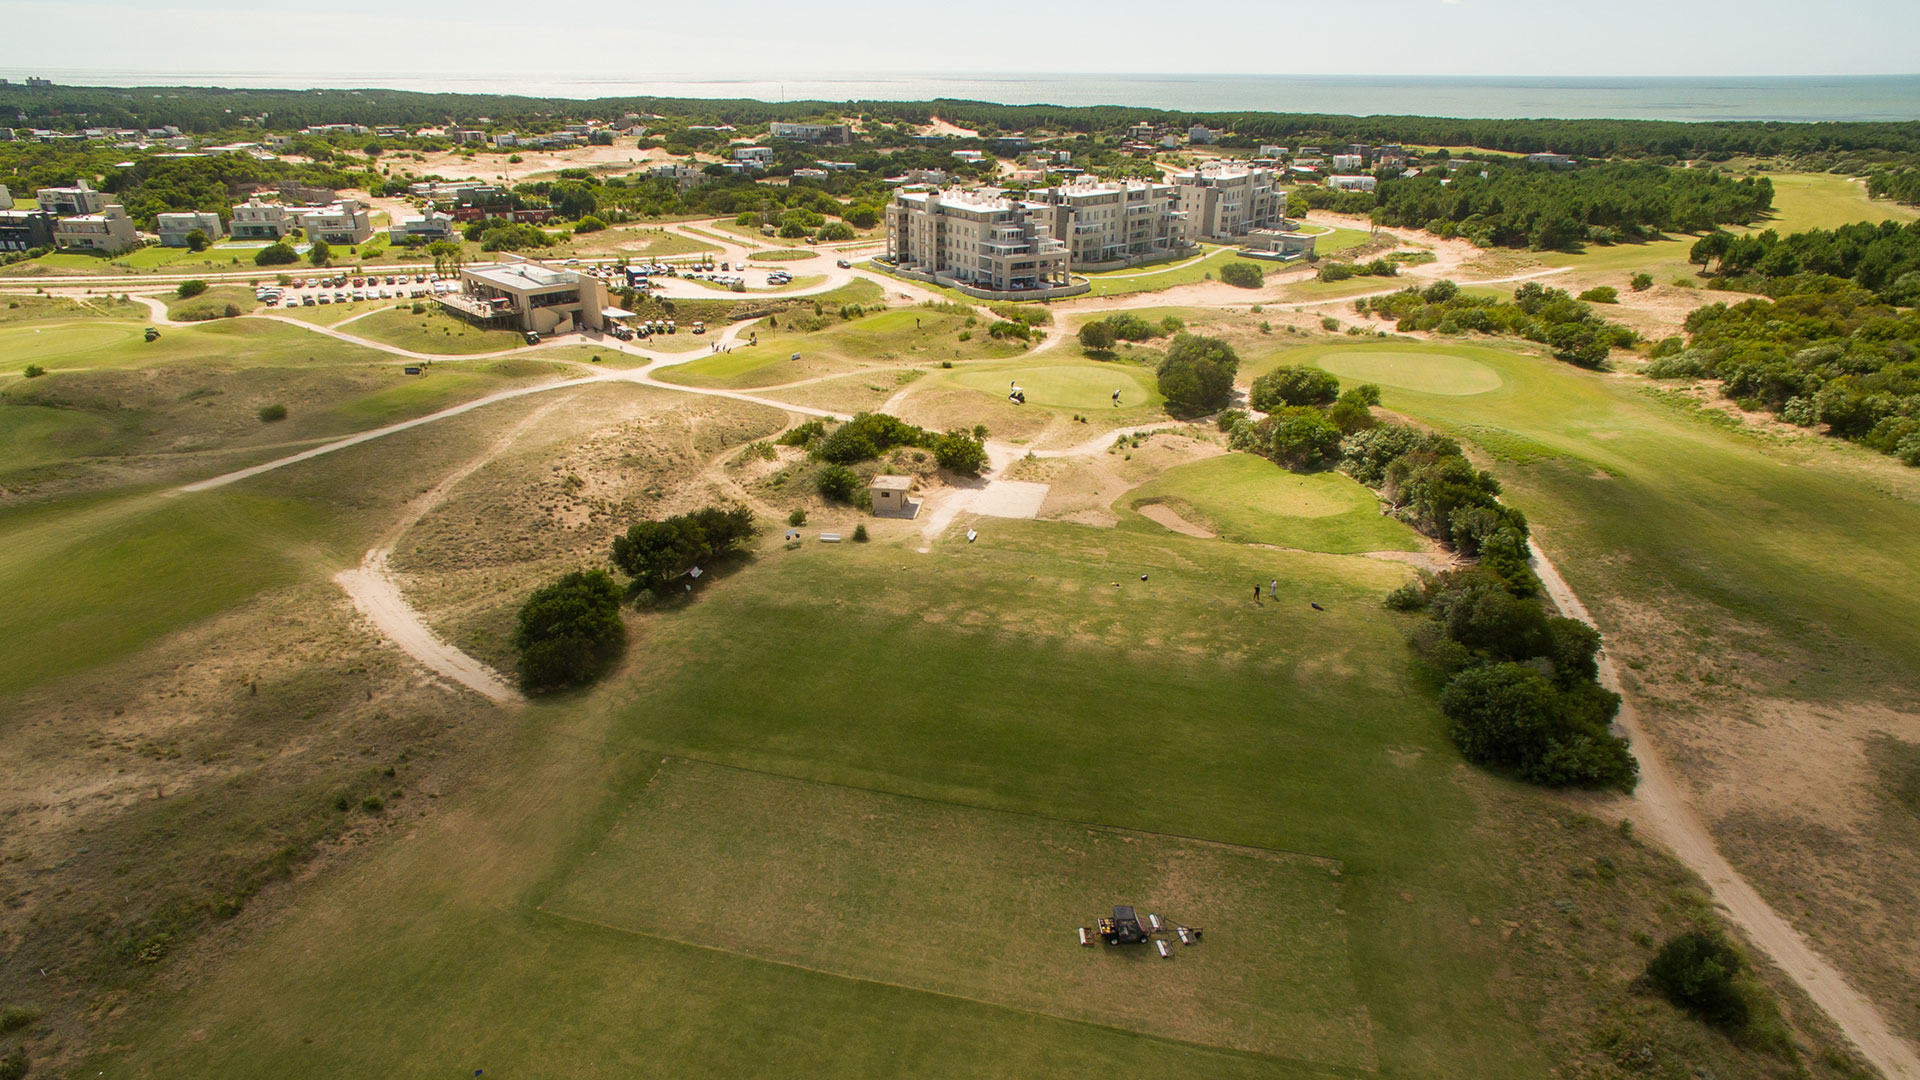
point(1660, 806)
point(1658, 803)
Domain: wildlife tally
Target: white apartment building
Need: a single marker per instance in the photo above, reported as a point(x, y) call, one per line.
point(68, 201)
point(344, 222)
point(1225, 200)
point(810, 174)
point(1351, 183)
point(108, 232)
point(811, 133)
point(754, 155)
point(1348, 163)
point(255, 220)
point(174, 228)
point(974, 239)
point(426, 228)
point(6, 198)
point(1107, 222)
point(1203, 136)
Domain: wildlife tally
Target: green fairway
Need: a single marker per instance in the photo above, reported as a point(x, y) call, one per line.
point(890, 337)
point(1084, 385)
point(54, 345)
point(1824, 201)
point(730, 859)
point(1431, 371)
point(1250, 500)
point(1184, 271)
point(130, 570)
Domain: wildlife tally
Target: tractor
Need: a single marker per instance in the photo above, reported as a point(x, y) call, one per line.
point(1123, 929)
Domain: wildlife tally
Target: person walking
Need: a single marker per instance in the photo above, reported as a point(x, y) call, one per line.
point(1256, 592)
point(1273, 589)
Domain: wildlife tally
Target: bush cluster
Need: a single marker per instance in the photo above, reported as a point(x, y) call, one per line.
point(653, 553)
point(1196, 375)
point(1830, 353)
point(1342, 271)
point(1549, 316)
point(1243, 274)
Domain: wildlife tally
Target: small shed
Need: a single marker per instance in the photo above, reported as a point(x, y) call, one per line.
point(890, 497)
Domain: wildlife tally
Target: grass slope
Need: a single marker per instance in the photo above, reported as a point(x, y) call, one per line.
point(1250, 500)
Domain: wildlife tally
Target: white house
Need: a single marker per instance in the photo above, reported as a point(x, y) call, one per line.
point(174, 228)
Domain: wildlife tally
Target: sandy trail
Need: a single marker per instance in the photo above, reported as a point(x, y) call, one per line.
point(377, 595)
point(1659, 807)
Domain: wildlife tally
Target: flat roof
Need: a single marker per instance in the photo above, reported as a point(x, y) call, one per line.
point(521, 276)
point(893, 483)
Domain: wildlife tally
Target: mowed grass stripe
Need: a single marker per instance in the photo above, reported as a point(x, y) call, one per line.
point(981, 905)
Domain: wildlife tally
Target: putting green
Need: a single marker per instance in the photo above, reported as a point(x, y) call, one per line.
point(1065, 386)
point(1421, 371)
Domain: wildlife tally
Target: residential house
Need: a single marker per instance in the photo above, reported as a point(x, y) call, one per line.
point(174, 228)
point(1203, 136)
point(343, 222)
point(421, 228)
point(108, 232)
point(1557, 161)
point(761, 156)
point(69, 201)
point(1352, 183)
point(256, 220)
point(24, 230)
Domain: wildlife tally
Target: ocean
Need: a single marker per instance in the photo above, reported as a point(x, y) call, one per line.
point(1798, 98)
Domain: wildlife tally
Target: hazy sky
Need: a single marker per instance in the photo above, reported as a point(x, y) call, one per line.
point(726, 38)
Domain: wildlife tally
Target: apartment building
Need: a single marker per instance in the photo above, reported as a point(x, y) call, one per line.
point(1225, 200)
point(1200, 135)
point(828, 134)
point(176, 227)
point(976, 240)
point(421, 228)
point(1107, 222)
point(24, 230)
point(759, 156)
point(1348, 163)
point(256, 220)
point(69, 201)
point(108, 232)
point(344, 222)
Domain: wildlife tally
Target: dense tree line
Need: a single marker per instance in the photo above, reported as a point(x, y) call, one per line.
point(205, 110)
point(1533, 206)
point(1883, 258)
point(1900, 185)
point(1830, 354)
point(1552, 317)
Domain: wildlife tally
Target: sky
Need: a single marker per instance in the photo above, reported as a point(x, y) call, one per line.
point(759, 38)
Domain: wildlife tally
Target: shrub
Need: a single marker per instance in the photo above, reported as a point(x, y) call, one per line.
point(15, 1017)
point(319, 254)
point(197, 240)
point(860, 533)
point(276, 254)
point(373, 804)
point(15, 1065)
point(1601, 294)
point(804, 435)
point(1329, 324)
point(1696, 971)
point(1196, 376)
point(1130, 327)
point(588, 224)
point(1293, 385)
point(960, 452)
point(272, 413)
point(190, 289)
point(1301, 437)
point(867, 436)
point(1097, 337)
point(797, 518)
point(839, 483)
point(1243, 275)
point(570, 631)
point(33, 371)
point(1640, 282)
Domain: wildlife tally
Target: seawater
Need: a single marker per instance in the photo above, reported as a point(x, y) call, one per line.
point(1797, 98)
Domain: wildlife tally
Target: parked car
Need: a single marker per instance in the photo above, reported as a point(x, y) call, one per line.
point(843, 264)
point(533, 337)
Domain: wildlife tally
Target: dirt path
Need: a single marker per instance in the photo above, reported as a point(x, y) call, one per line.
point(1659, 807)
point(377, 595)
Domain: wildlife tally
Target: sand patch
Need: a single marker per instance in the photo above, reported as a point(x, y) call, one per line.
point(1165, 515)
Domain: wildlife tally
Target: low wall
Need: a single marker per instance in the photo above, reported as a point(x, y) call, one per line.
point(1144, 260)
point(1077, 287)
